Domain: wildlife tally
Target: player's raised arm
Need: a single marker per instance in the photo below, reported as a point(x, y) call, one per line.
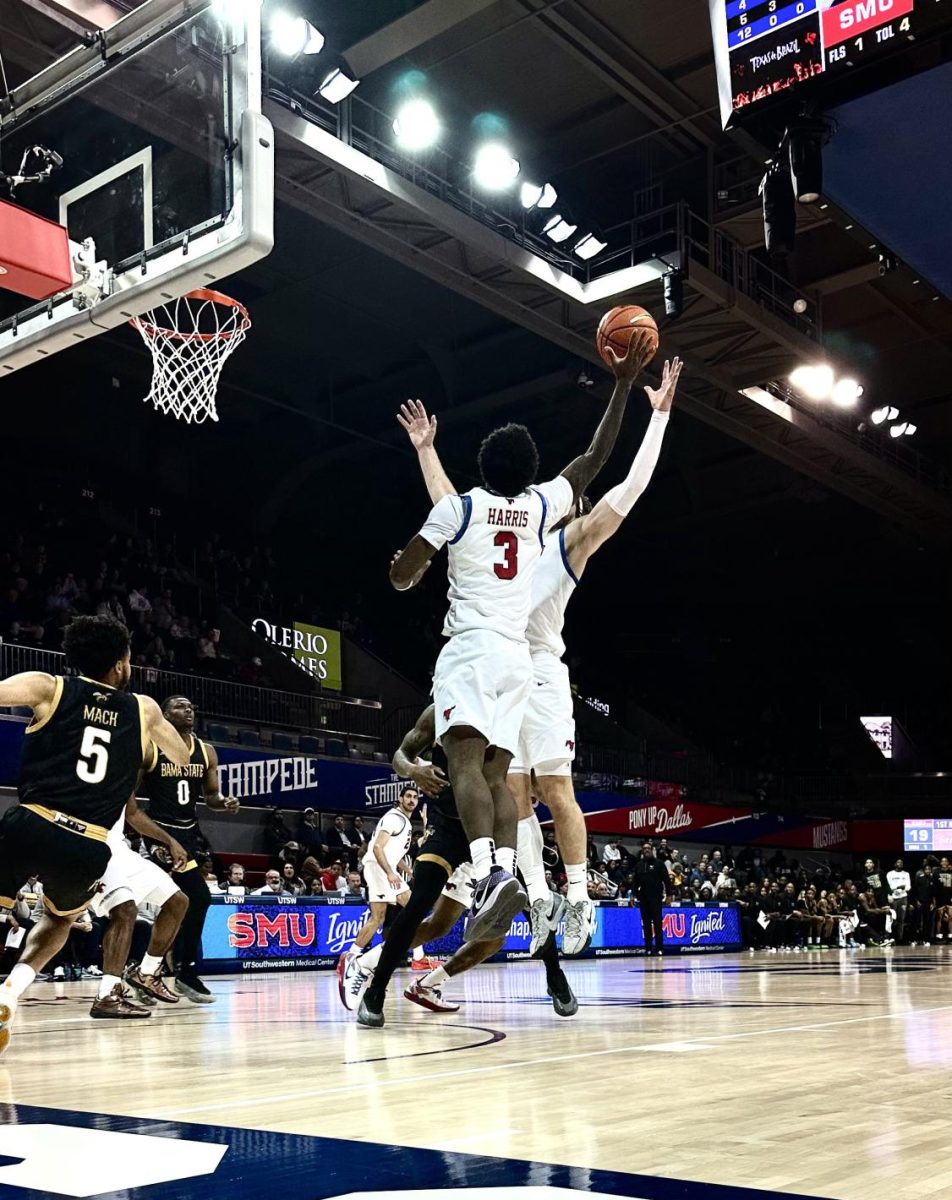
point(407, 762)
point(421, 430)
point(582, 470)
point(583, 537)
point(29, 689)
point(163, 733)
point(211, 788)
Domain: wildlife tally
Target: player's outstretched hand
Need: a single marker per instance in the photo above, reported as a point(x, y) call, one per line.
point(663, 397)
point(627, 369)
point(429, 779)
point(420, 429)
point(231, 804)
point(179, 857)
point(419, 575)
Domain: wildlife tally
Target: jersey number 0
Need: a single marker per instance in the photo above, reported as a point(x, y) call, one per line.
point(94, 755)
point(510, 564)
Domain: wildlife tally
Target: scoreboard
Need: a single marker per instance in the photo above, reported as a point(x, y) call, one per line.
point(933, 837)
point(766, 47)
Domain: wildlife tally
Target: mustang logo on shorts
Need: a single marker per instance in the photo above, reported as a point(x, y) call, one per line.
point(570, 745)
point(447, 713)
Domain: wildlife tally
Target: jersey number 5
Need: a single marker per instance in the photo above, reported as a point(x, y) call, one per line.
point(510, 564)
point(94, 755)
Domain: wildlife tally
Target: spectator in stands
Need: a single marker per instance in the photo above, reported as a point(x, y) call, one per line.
point(750, 907)
point(333, 877)
point(273, 886)
point(315, 887)
point(291, 880)
point(211, 879)
point(311, 836)
point(276, 833)
point(359, 836)
point(235, 881)
point(138, 602)
point(355, 887)
point(611, 854)
point(339, 841)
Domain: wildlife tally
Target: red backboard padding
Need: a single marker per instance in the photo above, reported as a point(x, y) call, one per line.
point(34, 253)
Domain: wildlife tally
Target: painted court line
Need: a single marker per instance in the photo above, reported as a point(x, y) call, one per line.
point(405, 1080)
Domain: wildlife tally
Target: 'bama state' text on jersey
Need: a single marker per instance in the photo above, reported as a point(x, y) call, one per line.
point(494, 545)
point(174, 791)
point(84, 757)
point(397, 824)
point(552, 588)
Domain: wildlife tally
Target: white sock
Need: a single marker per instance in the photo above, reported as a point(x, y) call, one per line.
point(436, 978)
point(483, 852)
point(577, 876)
point(19, 979)
point(530, 858)
point(506, 858)
point(150, 963)
point(106, 984)
point(418, 953)
point(370, 958)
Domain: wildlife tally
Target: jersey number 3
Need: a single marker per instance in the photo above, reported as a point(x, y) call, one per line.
point(510, 564)
point(94, 755)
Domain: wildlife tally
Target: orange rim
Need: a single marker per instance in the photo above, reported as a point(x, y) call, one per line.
point(205, 295)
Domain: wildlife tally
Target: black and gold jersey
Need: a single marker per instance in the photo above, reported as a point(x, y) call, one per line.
point(445, 802)
point(84, 756)
point(174, 791)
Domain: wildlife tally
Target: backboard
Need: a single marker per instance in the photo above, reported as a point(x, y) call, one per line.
point(168, 165)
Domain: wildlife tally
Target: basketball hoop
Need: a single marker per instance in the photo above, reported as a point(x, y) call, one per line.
point(190, 340)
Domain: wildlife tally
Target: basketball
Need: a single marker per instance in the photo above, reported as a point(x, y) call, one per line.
point(619, 326)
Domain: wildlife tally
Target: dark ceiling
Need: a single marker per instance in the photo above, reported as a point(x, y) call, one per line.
point(740, 584)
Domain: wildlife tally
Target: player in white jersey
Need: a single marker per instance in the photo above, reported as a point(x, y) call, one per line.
point(131, 880)
point(387, 848)
point(547, 737)
point(495, 535)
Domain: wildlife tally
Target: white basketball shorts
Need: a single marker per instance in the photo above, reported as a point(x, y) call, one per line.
point(129, 876)
point(482, 679)
point(547, 736)
point(459, 886)
point(379, 888)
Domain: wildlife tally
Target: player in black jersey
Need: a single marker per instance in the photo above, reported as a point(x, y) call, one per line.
point(81, 758)
point(443, 881)
point(173, 792)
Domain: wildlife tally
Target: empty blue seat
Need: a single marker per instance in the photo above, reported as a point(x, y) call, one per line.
point(282, 741)
point(249, 737)
point(308, 744)
point(217, 733)
point(335, 748)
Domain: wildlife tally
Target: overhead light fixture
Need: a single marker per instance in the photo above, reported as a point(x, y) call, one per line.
point(887, 413)
point(896, 431)
point(588, 246)
point(494, 168)
point(846, 392)
point(780, 216)
point(887, 260)
point(800, 306)
point(558, 229)
point(816, 382)
point(337, 86)
point(805, 143)
point(292, 35)
point(536, 195)
point(416, 124)
point(673, 294)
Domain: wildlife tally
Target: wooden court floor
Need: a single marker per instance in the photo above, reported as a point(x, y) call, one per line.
point(819, 1075)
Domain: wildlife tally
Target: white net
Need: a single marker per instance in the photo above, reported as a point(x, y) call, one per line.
point(190, 340)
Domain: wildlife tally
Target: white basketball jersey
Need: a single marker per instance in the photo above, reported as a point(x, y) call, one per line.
point(397, 824)
point(552, 589)
point(495, 544)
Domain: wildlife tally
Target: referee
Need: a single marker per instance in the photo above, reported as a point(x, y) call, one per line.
point(652, 884)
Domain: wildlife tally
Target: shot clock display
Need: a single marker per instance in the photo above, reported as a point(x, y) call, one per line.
point(763, 47)
point(929, 837)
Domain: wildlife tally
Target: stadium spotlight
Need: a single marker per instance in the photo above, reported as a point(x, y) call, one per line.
point(805, 143)
point(494, 168)
point(588, 246)
point(903, 429)
point(673, 293)
point(292, 35)
point(800, 306)
point(887, 413)
point(816, 383)
point(558, 229)
point(416, 124)
point(846, 392)
point(337, 86)
point(780, 216)
point(537, 195)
